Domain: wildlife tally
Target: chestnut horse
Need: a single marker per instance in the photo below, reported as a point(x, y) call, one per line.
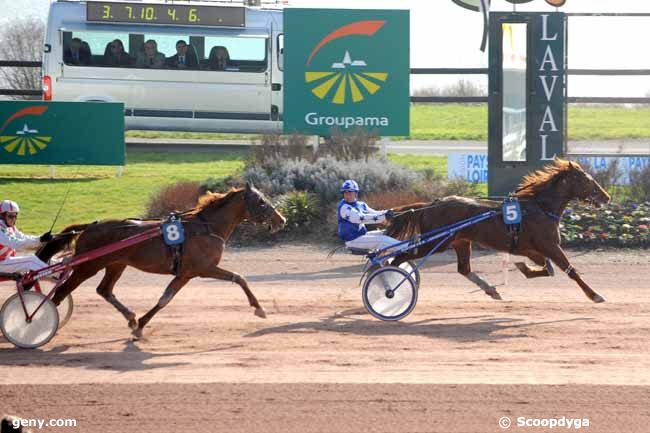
point(207, 229)
point(543, 196)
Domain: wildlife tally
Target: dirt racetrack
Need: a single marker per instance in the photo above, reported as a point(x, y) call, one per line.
point(459, 363)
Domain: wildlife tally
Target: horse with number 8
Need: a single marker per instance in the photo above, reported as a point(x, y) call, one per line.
point(207, 228)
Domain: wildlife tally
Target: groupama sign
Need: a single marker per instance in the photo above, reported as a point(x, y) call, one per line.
point(37, 132)
point(346, 69)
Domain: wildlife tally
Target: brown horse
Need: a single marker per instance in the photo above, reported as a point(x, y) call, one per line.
point(207, 229)
point(543, 196)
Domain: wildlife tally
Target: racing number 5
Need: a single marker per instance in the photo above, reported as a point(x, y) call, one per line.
point(511, 212)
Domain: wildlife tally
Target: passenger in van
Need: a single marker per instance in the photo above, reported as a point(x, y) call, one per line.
point(150, 57)
point(185, 57)
point(219, 59)
point(77, 53)
point(114, 55)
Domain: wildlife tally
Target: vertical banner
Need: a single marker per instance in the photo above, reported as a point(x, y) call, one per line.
point(527, 89)
point(346, 69)
point(548, 83)
point(37, 132)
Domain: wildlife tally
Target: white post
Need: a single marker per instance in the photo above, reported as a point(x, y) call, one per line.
point(315, 141)
point(51, 172)
point(384, 147)
point(120, 171)
point(505, 262)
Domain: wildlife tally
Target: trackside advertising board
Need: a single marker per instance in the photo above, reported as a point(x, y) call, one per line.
point(37, 132)
point(346, 69)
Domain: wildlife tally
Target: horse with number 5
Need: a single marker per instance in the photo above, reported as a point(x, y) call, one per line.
point(206, 229)
point(543, 196)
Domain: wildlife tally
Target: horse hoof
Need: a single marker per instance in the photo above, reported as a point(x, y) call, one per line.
point(137, 334)
point(598, 299)
point(259, 312)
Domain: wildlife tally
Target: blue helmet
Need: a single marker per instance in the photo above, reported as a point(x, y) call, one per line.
point(350, 186)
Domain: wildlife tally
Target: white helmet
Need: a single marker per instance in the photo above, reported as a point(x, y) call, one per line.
point(9, 206)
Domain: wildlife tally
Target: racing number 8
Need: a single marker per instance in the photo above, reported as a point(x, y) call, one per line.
point(172, 232)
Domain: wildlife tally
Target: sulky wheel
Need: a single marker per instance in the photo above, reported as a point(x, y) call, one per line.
point(65, 310)
point(389, 293)
point(65, 307)
point(409, 267)
point(37, 332)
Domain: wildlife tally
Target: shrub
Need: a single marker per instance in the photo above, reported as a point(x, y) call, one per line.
point(176, 197)
point(350, 146)
point(275, 146)
point(435, 186)
point(324, 176)
point(640, 184)
point(299, 208)
point(221, 184)
point(391, 199)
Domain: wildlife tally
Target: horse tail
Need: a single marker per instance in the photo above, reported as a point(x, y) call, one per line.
point(62, 242)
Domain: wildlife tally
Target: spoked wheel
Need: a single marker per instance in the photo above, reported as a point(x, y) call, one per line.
point(408, 266)
point(65, 310)
point(37, 332)
point(414, 272)
point(389, 293)
point(65, 307)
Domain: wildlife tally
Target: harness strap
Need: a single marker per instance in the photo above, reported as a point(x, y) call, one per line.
point(553, 216)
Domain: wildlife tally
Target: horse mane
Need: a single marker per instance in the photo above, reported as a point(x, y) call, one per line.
point(542, 180)
point(407, 225)
point(214, 200)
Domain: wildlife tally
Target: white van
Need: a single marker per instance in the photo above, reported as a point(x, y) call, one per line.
point(183, 80)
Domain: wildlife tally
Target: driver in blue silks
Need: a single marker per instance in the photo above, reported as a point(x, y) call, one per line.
point(353, 213)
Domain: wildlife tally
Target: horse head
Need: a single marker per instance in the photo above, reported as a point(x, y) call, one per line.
point(584, 187)
point(260, 210)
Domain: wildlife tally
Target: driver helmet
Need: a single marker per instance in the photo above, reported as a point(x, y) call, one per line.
point(9, 206)
point(350, 186)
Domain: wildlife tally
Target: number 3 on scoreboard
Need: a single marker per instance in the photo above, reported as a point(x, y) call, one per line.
point(107, 12)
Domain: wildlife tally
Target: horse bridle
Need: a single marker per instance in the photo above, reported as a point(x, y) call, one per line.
point(258, 214)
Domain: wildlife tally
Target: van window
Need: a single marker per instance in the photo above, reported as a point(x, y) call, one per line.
point(244, 53)
point(89, 48)
point(217, 53)
point(281, 51)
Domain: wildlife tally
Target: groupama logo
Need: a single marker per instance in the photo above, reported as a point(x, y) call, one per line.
point(347, 79)
point(26, 141)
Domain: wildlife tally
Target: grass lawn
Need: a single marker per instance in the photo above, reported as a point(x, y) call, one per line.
point(469, 122)
point(96, 193)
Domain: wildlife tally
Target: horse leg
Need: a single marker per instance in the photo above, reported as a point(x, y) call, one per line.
point(105, 290)
point(557, 255)
point(172, 288)
point(463, 252)
point(545, 271)
point(78, 276)
point(222, 274)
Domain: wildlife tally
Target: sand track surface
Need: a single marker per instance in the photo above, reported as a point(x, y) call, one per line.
point(458, 363)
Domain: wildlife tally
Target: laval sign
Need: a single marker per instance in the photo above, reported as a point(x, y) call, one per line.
point(346, 69)
point(527, 94)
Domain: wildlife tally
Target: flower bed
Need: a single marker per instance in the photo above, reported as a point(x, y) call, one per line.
point(615, 225)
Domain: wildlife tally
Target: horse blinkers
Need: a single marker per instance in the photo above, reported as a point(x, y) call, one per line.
point(258, 208)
